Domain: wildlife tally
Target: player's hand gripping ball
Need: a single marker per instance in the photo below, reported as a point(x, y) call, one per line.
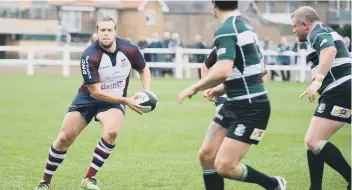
point(147, 100)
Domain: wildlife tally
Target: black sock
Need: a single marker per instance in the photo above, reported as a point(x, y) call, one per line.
point(331, 155)
point(251, 175)
point(212, 180)
point(316, 169)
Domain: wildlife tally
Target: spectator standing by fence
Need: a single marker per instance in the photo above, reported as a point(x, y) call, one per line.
point(284, 59)
point(200, 44)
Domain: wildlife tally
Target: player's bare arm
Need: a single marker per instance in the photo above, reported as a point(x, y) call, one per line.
point(204, 70)
point(145, 77)
point(97, 93)
point(262, 66)
point(219, 88)
point(216, 92)
point(326, 58)
point(219, 72)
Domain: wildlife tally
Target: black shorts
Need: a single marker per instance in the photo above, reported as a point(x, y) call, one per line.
point(219, 103)
point(89, 107)
point(244, 122)
point(335, 104)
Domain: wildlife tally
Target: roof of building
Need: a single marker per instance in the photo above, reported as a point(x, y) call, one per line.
point(189, 7)
point(119, 4)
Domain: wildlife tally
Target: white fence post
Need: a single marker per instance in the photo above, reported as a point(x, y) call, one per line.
point(66, 60)
point(30, 63)
point(179, 63)
point(188, 72)
point(303, 60)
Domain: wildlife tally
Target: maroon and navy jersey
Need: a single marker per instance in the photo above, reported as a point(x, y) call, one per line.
point(111, 70)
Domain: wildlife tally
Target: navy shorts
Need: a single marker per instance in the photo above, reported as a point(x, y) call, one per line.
point(90, 107)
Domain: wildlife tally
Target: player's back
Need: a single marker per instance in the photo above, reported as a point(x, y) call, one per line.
point(321, 37)
point(245, 82)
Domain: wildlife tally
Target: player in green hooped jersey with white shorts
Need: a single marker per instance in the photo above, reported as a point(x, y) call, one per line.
point(331, 72)
point(243, 118)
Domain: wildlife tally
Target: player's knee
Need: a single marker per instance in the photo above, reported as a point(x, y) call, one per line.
point(206, 154)
point(65, 140)
point(311, 142)
point(111, 133)
point(224, 168)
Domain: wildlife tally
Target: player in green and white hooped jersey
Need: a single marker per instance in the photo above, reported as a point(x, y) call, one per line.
point(243, 118)
point(331, 72)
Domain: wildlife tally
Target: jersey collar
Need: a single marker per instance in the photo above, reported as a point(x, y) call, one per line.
point(117, 48)
point(237, 13)
point(318, 23)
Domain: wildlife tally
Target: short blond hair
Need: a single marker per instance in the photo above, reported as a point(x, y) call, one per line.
point(108, 18)
point(305, 14)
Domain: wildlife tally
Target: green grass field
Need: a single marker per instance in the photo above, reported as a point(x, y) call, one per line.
point(155, 151)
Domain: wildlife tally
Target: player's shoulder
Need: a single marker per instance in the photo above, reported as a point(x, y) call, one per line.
point(91, 50)
point(317, 30)
point(128, 47)
point(226, 28)
point(126, 43)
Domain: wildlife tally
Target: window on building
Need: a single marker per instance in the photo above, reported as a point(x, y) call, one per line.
point(71, 20)
point(333, 4)
point(150, 17)
point(345, 5)
point(35, 37)
point(108, 12)
point(292, 6)
point(270, 6)
point(37, 13)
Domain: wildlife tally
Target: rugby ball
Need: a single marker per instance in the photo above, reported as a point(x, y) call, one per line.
point(147, 100)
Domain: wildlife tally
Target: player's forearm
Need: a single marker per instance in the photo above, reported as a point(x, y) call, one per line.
point(262, 65)
point(214, 78)
point(326, 58)
point(219, 90)
point(204, 71)
point(219, 72)
point(146, 78)
point(107, 97)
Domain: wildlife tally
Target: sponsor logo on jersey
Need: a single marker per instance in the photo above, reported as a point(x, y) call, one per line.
point(323, 42)
point(106, 67)
point(115, 76)
point(221, 51)
point(111, 86)
point(341, 112)
point(321, 108)
point(240, 129)
point(123, 63)
point(257, 134)
point(85, 67)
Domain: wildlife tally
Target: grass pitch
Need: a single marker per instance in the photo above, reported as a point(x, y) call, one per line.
point(154, 151)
